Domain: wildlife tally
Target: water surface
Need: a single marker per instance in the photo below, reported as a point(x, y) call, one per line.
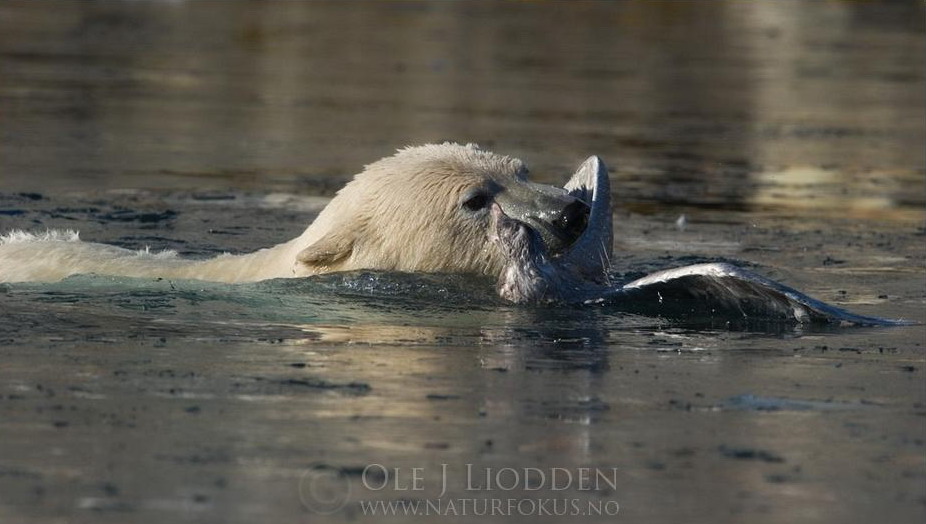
point(790, 135)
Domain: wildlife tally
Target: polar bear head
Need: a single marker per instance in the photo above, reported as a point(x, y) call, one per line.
point(427, 209)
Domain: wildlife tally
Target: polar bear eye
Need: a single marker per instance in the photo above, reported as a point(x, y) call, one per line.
point(477, 201)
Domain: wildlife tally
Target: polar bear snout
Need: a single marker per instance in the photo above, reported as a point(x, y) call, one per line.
point(559, 226)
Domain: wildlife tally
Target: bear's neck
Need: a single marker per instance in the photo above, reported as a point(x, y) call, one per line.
point(272, 262)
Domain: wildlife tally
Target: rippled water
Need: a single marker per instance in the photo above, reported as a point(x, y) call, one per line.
point(790, 135)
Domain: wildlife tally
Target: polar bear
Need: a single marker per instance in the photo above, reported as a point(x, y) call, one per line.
point(424, 209)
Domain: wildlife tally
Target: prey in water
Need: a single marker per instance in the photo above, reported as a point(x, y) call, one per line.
point(532, 275)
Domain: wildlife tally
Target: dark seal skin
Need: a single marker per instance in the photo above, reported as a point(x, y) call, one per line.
point(531, 275)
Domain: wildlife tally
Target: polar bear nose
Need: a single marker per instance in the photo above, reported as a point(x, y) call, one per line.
point(573, 220)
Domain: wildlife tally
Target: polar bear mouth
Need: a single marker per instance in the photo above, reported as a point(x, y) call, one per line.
point(588, 252)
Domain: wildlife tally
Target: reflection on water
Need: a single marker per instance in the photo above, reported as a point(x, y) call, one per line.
point(691, 102)
point(225, 395)
point(742, 115)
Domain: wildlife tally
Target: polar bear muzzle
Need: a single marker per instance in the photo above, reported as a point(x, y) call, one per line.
point(558, 217)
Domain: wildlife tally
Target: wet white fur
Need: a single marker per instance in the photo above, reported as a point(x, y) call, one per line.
point(400, 213)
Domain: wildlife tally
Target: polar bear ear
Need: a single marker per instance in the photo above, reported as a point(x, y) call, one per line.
point(327, 251)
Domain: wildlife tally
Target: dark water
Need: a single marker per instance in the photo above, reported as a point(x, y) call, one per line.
point(790, 134)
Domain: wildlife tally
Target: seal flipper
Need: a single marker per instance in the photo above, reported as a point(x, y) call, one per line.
point(725, 289)
point(591, 253)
